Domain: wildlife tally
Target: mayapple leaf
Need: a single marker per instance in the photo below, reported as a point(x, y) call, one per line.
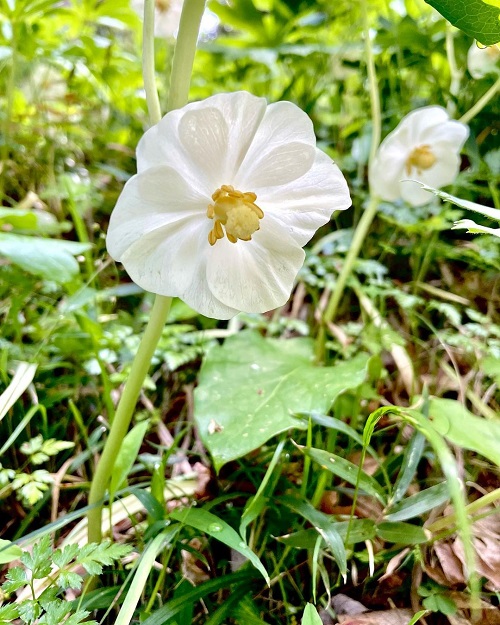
point(476, 18)
point(51, 259)
point(464, 429)
point(250, 388)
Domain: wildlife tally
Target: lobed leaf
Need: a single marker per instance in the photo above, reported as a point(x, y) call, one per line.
point(250, 388)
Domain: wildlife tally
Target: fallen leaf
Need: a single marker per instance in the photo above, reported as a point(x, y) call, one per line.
point(380, 617)
point(342, 604)
point(394, 563)
point(445, 562)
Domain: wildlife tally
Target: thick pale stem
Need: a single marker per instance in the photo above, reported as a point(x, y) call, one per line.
point(179, 91)
point(372, 81)
point(455, 73)
point(148, 62)
point(124, 413)
point(182, 66)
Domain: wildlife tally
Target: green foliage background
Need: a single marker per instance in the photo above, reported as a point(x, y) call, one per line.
point(72, 109)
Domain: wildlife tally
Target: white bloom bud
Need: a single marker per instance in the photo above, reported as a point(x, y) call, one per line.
point(482, 61)
point(426, 147)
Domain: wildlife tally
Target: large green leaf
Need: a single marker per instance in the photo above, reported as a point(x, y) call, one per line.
point(453, 421)
point(52, 259)
point(474, 17)
point(250, 387)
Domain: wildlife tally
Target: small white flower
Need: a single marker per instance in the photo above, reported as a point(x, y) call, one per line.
point(228, 190)
point(425, 147)
point(482, 61)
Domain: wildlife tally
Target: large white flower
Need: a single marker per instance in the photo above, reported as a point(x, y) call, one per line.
point(426, 147)
point(228, 190)
point(482, 61)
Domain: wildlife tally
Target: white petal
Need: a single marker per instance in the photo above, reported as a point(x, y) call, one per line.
point(151, 199)
point(282, 149)
point(387, 170)
point(171, 261)
point(439, 175)
point(482, 61)
point(449, 136)
point(255, 276)
point(162, 145)
point(276, 167)
point(243, 113)
point(204, 135)
point(420, 123)
point(307, 203)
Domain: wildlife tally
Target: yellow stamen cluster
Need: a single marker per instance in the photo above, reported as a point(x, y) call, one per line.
point(421, 158)
point(236, 211)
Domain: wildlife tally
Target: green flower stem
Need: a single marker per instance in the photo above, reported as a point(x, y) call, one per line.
point(359, 237)
point(455, 73)
point(182, 65)
point(179, 92)
point(7, 120)
point(370, 212)
point(148, 62)
point(124, 412)
point(481, 103)
point(373, 84)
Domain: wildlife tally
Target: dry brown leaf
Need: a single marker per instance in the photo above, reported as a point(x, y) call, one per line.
point(458, 619)
point(393, 563)
point(191, 566)
point(342, 604)
point(329, 502)
point(487, 544)
point(490, 614)
point(380, 617)
point(448, 568)
point(446, 562)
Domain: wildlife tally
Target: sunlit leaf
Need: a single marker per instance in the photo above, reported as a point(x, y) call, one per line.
point(476, 18)
point(250, 387)
point(51, 259)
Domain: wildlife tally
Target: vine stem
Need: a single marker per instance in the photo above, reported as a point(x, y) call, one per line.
point(179, 92)
point(370, 212)
point(481, 103)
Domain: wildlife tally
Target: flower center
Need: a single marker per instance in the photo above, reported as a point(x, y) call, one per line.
point(236, 211)
point(421, 158)
point(493, 52)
